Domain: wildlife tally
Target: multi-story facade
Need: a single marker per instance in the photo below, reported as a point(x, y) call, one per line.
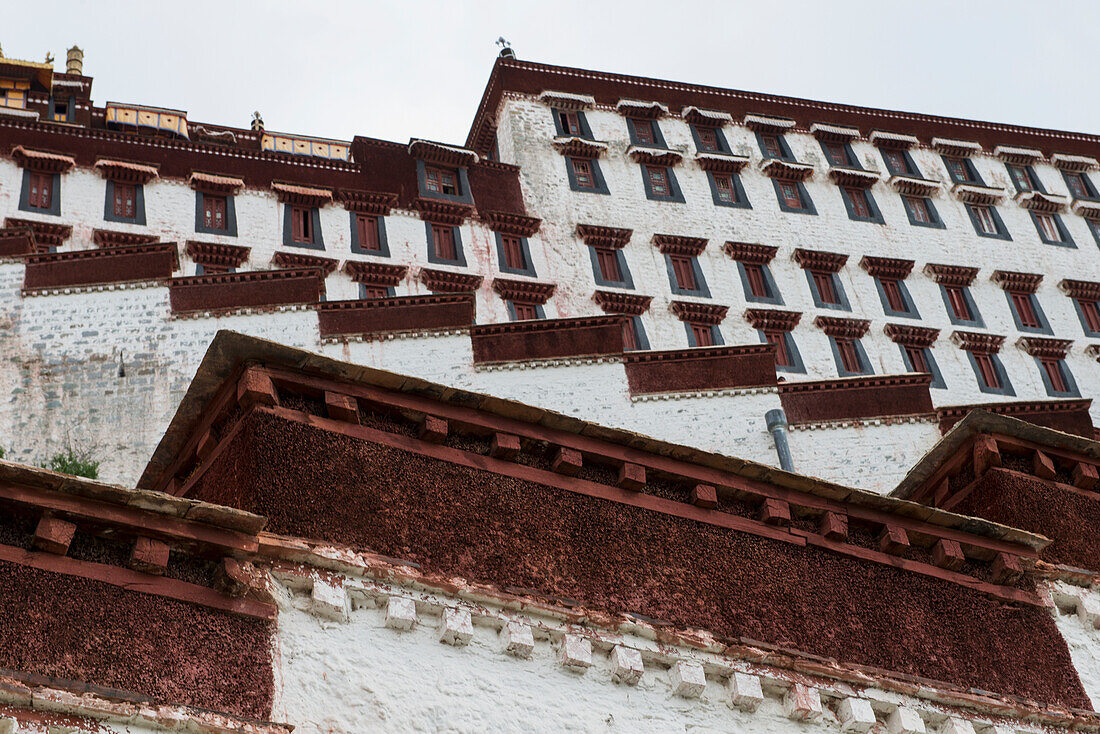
point(651, 402)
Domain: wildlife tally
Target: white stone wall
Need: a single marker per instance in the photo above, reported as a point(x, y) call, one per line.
point(525, 134)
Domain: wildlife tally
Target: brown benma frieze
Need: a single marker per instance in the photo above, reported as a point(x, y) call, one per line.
point(511, 224)
point(124, 264)
point(911, 336)
point(398, 314)
point(856, 398)
point(109, 238)
point(631, 304)
point(955, 275)
point(301, 261)
point(1084, 289)
point(772, 319)
point(254, 289)
point(827, 262)
point(449, 281)
point(973, 341)
point(217, 255)
point(670, 244)
point(524, 291)
point(887, 267)
point(1038, 346)
point(842, 328)
point(366, 202)
point(1017, 282)
point(46, 234)
point(375, 273)
point(747, 252)
point(699, 313)
point(593, 336)
point(708, 368)
point(597, 236)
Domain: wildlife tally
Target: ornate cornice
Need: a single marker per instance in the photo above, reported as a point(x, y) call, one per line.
point(956, 148)
point(973, 341)
point(41, 160)
point(771, 319)
point(524, 291)
point(449, 281)
point(366, 202)
point(442, 212)
point(126, 172)
point(748, 252)
point(914, 185)
point(215, 183)
point(48, 234)
point(977, 194)
point(911, 336)
point(767, 124)
point(641, 108)
point(1040, 201)
point(887, 267)
point(894, 141)
point(786, 170)
point(1085, 289)
point(671, 244)
point(834, 133)
point(654, 156)
point(216, 254)
point(574, 145)
point(828, 262)
point(301, 195)
point(955, 275)
point(441, 154)
point(371, 272)
point(617, 302)
point(721, 162)
point(511, 224)
point(853, 177)
point(700, 313)
point(596, 236)
point(1017, 282)
point(296, 260)
point(1044, 347)
point(842, 328)
point(108, 238)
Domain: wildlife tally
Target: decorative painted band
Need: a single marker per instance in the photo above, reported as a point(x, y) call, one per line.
point(404, 313)
point(1069, 416)
point(243, 290)
point(105, 265)
point(700, 369)
point(855, 398)
point(547, 338)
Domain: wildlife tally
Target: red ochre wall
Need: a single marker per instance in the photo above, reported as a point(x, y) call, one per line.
point(1069, 517)
point(459, 521)
point(92, 632)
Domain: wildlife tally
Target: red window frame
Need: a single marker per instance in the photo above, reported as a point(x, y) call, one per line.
point(643, 131)
point(723, 184)
point(608, 261)
point(772, 145)
point(40, 190)
point(1053, 369)
point(826, 289)
point(684, 270)
point(708, 139)
point(441, 181)
point(582, 173)
point(987, 370)
point(758, 284)
point(1091, 310)
point(301, 224)
point(918, 360)
point(373, 291)
point(838, 154)
point(658, 180)
point(849, 356)
point(1021, 177)
point(525, 311)
point(959, 171)
point(702, 334)
point(891, 288)
point(630, 337)
point(513, 252)
point(1077, 186)
point(125, 203)
point(570, 123)
point(896, 161)
point(919, 209)
point(443, 242)
point(213, 212)
point(1048, 226)
point(789, 193)
point(857, 198)
point(779, 339)
point(986, 223)
point(1025, 310)
point(956, 297)
point(367, 230)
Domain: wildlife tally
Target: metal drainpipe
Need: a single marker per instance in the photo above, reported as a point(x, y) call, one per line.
point(777, 424)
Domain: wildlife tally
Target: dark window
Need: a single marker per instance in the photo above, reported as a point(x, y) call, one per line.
point(727, 191)
point(630, 339)
point(987, 370)
point(702, 335)
point(643, 131)
point(443, 242)
point(1021, 177)
point(582, 173)
point(918, 209)
point(373, 291)
point(960, 170)
point(367, 229)
point(857, 201)
point(917, 360)
point(790, 194)
point(683, 268)
point(772, 146)
point(983, 215)
point(658, 180)
point(570, 125)
point(1053, 369)
point(608, 261)
point(837, 154)
point(826, 291)
point(213, 212)
point(956, 297)
point(513, 252)
point(708, 139)
point(849, 356)
point(782, 354)
point(441, 181)
point(40, 194)
point(124, 203)
point(301, 224)
point(1078, 186)
point(1091, 312)
point(758, 285)
point(897, 163)
point(1025, 310)
point(525, 311)
point(894, 298)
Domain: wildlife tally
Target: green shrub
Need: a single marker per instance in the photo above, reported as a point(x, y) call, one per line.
point(78, 464)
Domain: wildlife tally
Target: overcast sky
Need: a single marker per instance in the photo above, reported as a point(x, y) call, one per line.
point(401, 69)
